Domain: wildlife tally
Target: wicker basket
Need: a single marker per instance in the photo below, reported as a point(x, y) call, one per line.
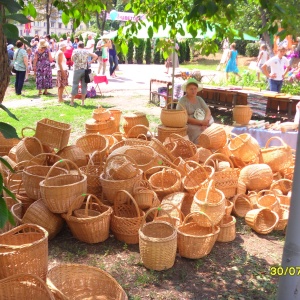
point(24, 286)
point(138, 131)
point(277, 157)
point(228, 207)
point(214, 137)
point(163, 132)
point(169, 213)
point(74, 154)
point(268, 199)
point(163, 152)
point(143, 194)
point(241, 205)
point(101, 114)
point(133, 119)
point(283, 215)
point(242, 114)
point(60, 192)
point(105, 127)
point(227, 229)
point(210, 201)
point(157, 243)
point(37, 213)
point(28, 148)
point(244, 147)
point(6, 144)
point(116, 113)
point(182, 166)
point(53, 133)
point(126, 219)
point(78, 281)
point(174, 117)
point(262, 220)
point(90, 224)
point(194, 239)
point(226, 180)
point(24, 249)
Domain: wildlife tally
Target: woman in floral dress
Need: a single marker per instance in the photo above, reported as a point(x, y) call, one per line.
point(42, 67)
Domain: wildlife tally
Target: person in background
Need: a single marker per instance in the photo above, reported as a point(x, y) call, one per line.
point(99, 54)
point(10, 53)
point(279, 66)
point(113, 59)
point(50, 42)
point(20, 64)
point(199, 115)
point(30, 59)
point(292, 54)
point(62, 70)
point(232, 62)
point(69, 42)
point(262, 57)
point(225, 48)
point(105, 54)
point(34, 42)
point(76, 41)
point(80, 58)
point(169, 62)
point(42, 67)
point(90, 45)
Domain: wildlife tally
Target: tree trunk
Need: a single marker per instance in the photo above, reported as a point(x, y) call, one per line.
point(5, 74)
point(266, 36)
point(48, 16)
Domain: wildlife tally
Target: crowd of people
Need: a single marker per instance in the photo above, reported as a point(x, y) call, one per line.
point(45, 53)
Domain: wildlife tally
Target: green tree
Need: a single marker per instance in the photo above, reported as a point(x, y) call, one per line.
point(139, 52)
point(148, 52)
point(187, 51)
point(156, 56)
point(130, 51)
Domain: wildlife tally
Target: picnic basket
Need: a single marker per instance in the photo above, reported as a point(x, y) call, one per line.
point(194, 239)
point(24, 249)
point(277, 157)
point(38, 213)
point(241, 205)
point(157, 243)
point(79, 281)
point(241, 114)
point(227, 229)
point(62, 191)
point(163, 132)
point(126, 218)
point(211, 201)
point(90, 223)
point(213, 137)
point(173, 117)
point(28, 148)
point(262, 220)
point(24, 286)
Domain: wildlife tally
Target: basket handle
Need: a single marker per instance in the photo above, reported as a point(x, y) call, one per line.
point(183, 108)
point(193, 214)
point(211, 185)
point(181, 215)
point(55, 291)
point(136, 126)
point(276, 138)
point(39, 142)
point(41, 154)
point(141, 184)
point(60, 161)
point(279, 181)
point(91, 160)
point(70, 210)
point(164, 168)
point(131, 198)
point(119, 155)
point(156, 209)
point(214, 158)
point(24, 128)
point(15, 206)
point(90, 199)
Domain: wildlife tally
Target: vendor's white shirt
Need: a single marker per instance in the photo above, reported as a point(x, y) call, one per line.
point(64, 61)
point(89, 43)
point(277, 66)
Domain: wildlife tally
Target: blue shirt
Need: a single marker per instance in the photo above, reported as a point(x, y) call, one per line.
point(19, 59)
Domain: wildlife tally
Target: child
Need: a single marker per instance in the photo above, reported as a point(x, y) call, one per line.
point(105, 54)
point(262, 57)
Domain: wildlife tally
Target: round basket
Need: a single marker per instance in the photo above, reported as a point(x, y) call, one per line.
point(133, 119)
point(194, 239)
point(227, 229)
point(104, 127)
point(283, 184)
point(126, 219)
point(244, 147)
point(268, 199)
point(262, 220)
point(24, 249)
point(242, 114)
point(210, 201)
point(163, 152)
point(24, 286)
point(60, 192)
point(137, 131)
point(174, 117)
point(74, 154)
point(164, 132)
point(78, 281)
point(116, 113)
point(241, 205)
point(100, 114)
point(213, 137)
point(226, 179)
point(277, 157)
point(283, 215)
point(37, 213)
point(28, 148)
point(157, 243)
point(90, 224)
point(143, 194)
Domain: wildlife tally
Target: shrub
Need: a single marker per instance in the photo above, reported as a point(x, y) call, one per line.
point(139, 52)
point(156, 56)
point(187, 51)
point(148, 52)
point(181, 53)
point(241, 46)
point(252, 49)
point(130, 52)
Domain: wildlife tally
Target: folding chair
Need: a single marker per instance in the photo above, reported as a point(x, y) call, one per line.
point(99, 79)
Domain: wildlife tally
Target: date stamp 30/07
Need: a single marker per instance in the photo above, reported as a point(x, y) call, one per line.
point(285, 271)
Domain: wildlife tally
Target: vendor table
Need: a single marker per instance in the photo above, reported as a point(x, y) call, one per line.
point(262, 136)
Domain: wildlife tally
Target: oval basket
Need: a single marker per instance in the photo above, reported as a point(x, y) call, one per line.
point(213, 137)
point(163, 132)
point(28, 148)
point(194, 239)
point(24, 249)
point(268, 199)
point(174, 117)
point(78, 281)
point(157, 243)
point(100, 114)
point(242, 114)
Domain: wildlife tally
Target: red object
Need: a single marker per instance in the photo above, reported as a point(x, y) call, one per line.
point(68, 55)
point(98, 80)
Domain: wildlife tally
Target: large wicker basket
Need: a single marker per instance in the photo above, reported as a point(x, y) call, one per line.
point(164, 132)
point(133, 119)
point(78, 281)
point(242, 114)
point(24, 249)
point(158, 243)
point(214, 137)
point(75, 154)
point(103, 127)
point(173, 117)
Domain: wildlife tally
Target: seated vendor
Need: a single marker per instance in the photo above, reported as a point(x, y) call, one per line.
point(199, 115)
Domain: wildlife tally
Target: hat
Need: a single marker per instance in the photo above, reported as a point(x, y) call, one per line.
point(43, 44)
point(191, 81)
point(62, 45)
point(10, 46)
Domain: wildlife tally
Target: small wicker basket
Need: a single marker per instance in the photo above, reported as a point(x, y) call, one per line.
point(242, 114)
point(227, 229)
point(174, 117)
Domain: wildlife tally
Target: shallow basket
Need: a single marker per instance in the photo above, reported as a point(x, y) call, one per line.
point(24, 249)
point(213, 137)
point(90, 224)
point(24, 286)
point(157, 243)
point(227, 229)
point(78, 281)
point(194, 239)
point(262, 220)
point(53, 133)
